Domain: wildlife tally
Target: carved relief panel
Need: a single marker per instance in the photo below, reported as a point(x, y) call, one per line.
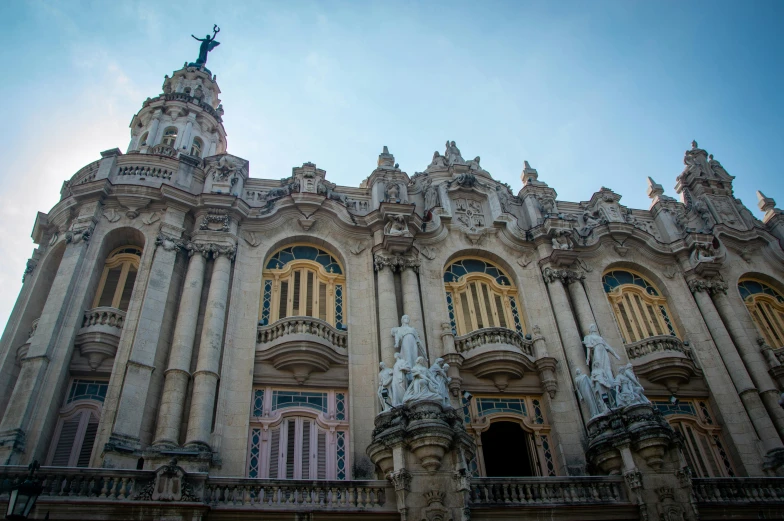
point(469, 213)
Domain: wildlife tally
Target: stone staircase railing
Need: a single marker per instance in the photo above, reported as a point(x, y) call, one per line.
point(297, 494)
point(104, 316)
point(656, 344)
point(302, 325)
point(587, 490)
point(737, 491)
point(493, 335)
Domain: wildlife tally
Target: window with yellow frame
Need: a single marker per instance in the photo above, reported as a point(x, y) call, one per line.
point(303, 280)
point(640, 309)
point(766, 306)
point(118, 278)
point(480, 295)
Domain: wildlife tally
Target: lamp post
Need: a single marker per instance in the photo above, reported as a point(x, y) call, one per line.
point(24, 495)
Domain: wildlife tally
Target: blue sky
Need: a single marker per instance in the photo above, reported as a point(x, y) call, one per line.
point(592, 93)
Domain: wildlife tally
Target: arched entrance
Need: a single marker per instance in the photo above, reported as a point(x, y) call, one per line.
point(506, 449)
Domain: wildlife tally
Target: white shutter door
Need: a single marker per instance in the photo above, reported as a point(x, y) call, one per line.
point(306, 449)
point(291, 439)
point(321, 451)
point(65, 444)
point(87, 444)
point(274, 457)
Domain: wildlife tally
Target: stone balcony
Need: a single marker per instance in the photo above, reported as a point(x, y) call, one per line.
point(663, 359)
point(302, 345)
point(737, 498)
point(99, 335)
point(496, 353)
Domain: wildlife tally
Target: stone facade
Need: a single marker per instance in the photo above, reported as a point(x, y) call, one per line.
point(236, 371)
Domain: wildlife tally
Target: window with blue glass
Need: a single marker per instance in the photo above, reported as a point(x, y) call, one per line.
point(87, 390)
point(303, 281)
point(639, 308)
point(766, 306)
point(481, 295)
point(286, 399)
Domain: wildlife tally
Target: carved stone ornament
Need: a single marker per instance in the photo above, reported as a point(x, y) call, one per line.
point(395, 262)
point(357, 248)
point(428, 252)
point(215, 220)
point(396, 226)
point(151, 218)
point(29, 268)
point(670, 271)
point(170, 484)
point(710, 286)
point(207, 249)
point(565, 276)
point(224, 170)
point(168, 243)
point(633, 479)
point(435, 510)
point(80, 235)
point(251, 238)
point(562, 240)
point(469, 213)
point(112, 215)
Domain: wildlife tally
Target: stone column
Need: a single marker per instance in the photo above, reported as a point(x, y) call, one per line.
point(582, 307)
point(205, 379)
point(152, 136)
point(387, 308)
point(752, 358)
point(178, 374)
point(412, 303)
point(729, 354)
point(570, 336)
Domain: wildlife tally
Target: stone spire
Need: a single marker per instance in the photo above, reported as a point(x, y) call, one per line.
point(529, 175)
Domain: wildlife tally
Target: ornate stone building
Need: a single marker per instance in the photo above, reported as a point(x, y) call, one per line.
point(177, 308)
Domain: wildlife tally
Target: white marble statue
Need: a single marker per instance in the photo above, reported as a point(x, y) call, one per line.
point(384, 382)
point(421, 387)
point(399, 380)
point(628, 389)
point(440, 380)
point(588, 394)
point(598, 358)
point(452, 154)
point(407, 340)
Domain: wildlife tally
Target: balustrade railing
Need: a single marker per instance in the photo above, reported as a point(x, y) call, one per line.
point(86, 173)
point(546, 491)
point(739, 490)
point(656, 344)
point(302, 325)
point(104, 316)
point(277, 494)
point(81, 483)
point(144, 171)
point(493, 335)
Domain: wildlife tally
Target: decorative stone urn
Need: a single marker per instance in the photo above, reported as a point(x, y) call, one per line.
point(422, 448)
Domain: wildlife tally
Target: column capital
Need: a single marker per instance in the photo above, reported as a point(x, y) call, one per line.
point(168, 242)
point(566, 276)
point(207, 248)
point(79, 234)
point(395, 262)
point(711, 286)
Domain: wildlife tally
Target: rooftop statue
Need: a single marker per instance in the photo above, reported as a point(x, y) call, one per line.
point(207, 44)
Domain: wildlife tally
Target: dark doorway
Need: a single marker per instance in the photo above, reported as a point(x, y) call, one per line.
point(505, 446)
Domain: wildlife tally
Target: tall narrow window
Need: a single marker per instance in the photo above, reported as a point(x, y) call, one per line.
point(302, 281)
point(77, 427)
point(480, 295)
point(169, 136)
point(143, 140)
point(766, 306)
point(118, 277)
point(640, 310)
point(197, 147)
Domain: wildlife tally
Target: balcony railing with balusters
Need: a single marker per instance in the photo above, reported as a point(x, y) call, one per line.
point(537, 491)
point(657, 344)
point(739, 491)
point(302, 326)
point(493, 335)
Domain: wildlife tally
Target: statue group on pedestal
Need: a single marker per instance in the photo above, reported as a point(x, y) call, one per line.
point(601, 390)
point(410, 380)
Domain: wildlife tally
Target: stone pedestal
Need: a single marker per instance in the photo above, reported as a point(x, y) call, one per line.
point(422, 448)
point(637, 442)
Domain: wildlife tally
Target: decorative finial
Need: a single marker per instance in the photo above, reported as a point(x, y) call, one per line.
point(766, 204)
point(654, 189)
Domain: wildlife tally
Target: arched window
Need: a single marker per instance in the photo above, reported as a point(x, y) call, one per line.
point(169, 136)
point(500, 422)
point(119, 275)
point(639, 308)
point(703, 445)
point(480, 295)
point(143, 140)
point(303, 281)
point(307, 435)
point(766, 306)
point(77, 426)
point(197, 147)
